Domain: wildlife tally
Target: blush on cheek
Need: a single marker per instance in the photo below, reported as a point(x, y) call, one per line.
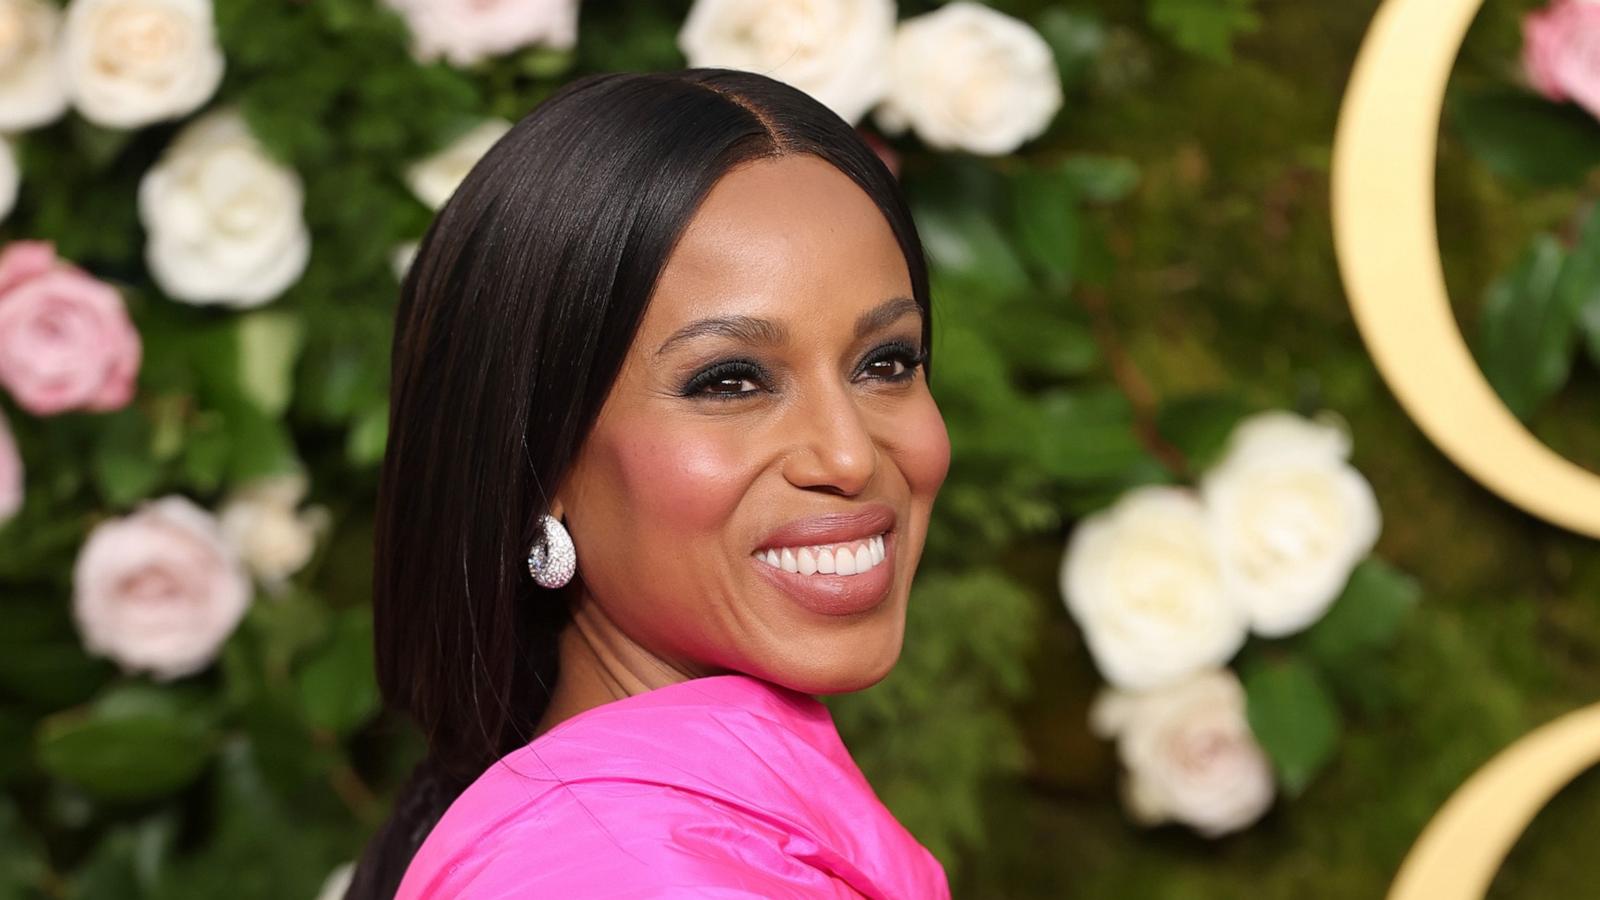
point(922, 449)
point(683, 480)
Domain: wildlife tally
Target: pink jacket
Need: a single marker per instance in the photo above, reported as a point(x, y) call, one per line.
point(724, 787)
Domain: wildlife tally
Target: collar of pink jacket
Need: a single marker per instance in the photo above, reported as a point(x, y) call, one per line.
point(726, 786)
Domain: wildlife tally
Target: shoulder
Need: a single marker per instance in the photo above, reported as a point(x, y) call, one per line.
point(626, 841)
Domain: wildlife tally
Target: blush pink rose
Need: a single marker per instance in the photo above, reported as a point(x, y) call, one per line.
point(466, 32)
point(10, 473)
point(1561, 52)
point(159, 590)
point(66, 341)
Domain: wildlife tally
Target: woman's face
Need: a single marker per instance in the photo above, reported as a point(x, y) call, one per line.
point(771, 415)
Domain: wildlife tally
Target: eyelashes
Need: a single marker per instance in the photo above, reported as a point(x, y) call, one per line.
point(732, 379)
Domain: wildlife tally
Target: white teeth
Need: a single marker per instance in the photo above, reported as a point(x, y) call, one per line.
point(832, 559)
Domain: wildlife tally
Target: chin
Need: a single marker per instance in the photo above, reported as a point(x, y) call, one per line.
point(840, 666)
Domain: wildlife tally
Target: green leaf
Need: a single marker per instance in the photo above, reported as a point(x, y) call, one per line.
point(1523, 136)
point(1527, 336)
point(1035, 335)
point(546, 62)
point(259, 444)
point(1578, 288)
point(1087, 435)
point(369, 436)
point(41, 659)
point(128, 861)
point(1367, 615)
point(1076, 38)
point(1199, 425)
point(205, 452)
point(967, 246)
point(1205, 28)
point(125, 465)
point(1102, 179)
point(98, 146)
point(269, 343)
point(337, 688)
point(136, 743)
point(1045, 215)
point(1294, 718)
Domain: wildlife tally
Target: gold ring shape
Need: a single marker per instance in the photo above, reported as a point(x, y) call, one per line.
point(1386, 238)
point(1388, 247)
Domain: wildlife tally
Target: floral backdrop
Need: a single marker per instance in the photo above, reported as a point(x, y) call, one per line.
point(1201, 613)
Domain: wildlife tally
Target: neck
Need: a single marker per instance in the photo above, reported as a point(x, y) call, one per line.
point(599, 664)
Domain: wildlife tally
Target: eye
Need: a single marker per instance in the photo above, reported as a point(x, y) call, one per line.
point(726, 380)
point(895, 361)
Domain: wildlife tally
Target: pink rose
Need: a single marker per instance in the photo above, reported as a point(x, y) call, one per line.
point(10, 474)
point(65, 338)
point(465, 32)
point(159, 590)
point(1561, 52)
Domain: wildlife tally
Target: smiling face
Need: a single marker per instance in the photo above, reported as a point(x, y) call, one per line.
point(771, 414)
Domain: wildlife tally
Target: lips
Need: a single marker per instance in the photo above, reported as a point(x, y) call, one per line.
point(847, 589)
point(831, 528)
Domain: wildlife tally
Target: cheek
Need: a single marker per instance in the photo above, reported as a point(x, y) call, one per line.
point(922, 448)
point(679, 480)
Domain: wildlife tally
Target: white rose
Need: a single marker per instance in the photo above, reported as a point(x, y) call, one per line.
point(159, 590)
point(435, 178)
point(223, 219)
point(835, 50)
point(132, 62)
point(1291, 516)
point(1143, 581)
point(966, 77)
point(32, 89)
point(1189, 753)
point(468, 31)
point(261, 522)
point(10, 177)
point(337, 883)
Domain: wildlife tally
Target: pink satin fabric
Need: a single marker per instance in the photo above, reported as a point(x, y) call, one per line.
point(724, 787)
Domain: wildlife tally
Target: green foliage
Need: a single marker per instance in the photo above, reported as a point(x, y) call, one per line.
point(1519, 135)
point(133, 743)
point(1533, 315)
point(1294, 717)
point(1205, 28)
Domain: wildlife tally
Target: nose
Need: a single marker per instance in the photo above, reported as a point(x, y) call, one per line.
point(832, 449)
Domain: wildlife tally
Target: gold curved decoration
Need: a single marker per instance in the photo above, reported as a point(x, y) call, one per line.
point(1388, 248)
point(1387, 241)
point(1467, 841)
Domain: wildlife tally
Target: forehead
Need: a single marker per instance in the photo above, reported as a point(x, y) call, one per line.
point(780, 238)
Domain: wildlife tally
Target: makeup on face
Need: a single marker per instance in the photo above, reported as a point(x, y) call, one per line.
point(755, 494)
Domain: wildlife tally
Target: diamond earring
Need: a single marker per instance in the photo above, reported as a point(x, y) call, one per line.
point(552, 559)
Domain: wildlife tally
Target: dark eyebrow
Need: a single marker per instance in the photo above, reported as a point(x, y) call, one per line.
point(749, 329)
point(886, 314)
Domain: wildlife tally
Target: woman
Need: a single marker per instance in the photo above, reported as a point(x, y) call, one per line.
point(660, 467)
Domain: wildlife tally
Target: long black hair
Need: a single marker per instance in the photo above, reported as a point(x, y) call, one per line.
point(512, 325)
